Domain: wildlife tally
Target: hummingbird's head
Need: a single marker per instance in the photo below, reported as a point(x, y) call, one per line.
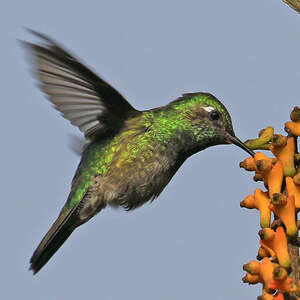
point(209, 120)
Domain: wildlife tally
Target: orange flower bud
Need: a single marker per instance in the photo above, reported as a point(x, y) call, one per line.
point(278, 200)
point(264, 137)
point(252, 267)
point(248, 164)
point(258, 176)
point(264, 165)
point(293, 128)
point(293, 190)
point(277, 242)
point(275, 179)
point(266, 134)
point(266, 234)
point(286, 156)
point(266, 272)
point(263, 252)
point(251, 279)
point(295, 114)
point(248, 202)
point(280, 273)
point(284, 208)
point(261, 202)
point(279, 140)
point(260, 156)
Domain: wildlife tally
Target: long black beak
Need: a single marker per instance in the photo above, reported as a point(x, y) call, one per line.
point(234, 140)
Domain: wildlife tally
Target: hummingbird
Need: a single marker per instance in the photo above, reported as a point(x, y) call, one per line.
point(130, 155)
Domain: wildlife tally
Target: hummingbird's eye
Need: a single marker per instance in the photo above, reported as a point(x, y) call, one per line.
point(215, 115)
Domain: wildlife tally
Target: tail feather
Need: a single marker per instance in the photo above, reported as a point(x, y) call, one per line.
point(53, 240)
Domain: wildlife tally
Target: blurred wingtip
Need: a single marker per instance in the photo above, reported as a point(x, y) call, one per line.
point(77, 144)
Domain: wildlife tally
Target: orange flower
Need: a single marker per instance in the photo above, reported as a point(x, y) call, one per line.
point(280, 273)
point(264, 252)
point(286, 155)
point(251, 279)
point(260, 201)
point(261, 156)
point(248, 202)
point(258, 176)
point(279, 140)
point(293, 127)
point(277, 242)
point(285, 285)
point(293, 190)
point(264, 165)
point(253, 267)
point(267, 296)
point(248, 164)
point(284, 208)
point(295, 114)
point(266, 272)
point(275, 179)
point(267, 234)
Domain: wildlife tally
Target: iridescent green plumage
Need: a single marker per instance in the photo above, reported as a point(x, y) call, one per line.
point(131, 155)
point(147, 135)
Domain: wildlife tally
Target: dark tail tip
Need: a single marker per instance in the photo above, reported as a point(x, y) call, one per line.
point(44, 252)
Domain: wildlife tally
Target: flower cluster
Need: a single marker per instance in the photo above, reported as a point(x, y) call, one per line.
point(278, 205)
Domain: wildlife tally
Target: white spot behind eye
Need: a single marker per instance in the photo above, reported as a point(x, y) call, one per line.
point(209, 108)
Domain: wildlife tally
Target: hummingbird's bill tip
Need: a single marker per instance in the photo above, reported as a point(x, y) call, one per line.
point(234, 140)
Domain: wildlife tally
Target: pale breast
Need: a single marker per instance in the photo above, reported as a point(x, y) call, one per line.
point(135, 185)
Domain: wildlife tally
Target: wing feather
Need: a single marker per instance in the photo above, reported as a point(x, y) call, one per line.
point(82, 97)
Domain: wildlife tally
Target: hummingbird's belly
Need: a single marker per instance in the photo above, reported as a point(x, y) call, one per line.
point(136, 184)
point(129, 175)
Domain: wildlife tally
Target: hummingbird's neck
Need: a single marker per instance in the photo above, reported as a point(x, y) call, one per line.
point(177, 133)
point(172, 134)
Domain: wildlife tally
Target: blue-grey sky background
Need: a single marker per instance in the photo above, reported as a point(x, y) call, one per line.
point(192, 241)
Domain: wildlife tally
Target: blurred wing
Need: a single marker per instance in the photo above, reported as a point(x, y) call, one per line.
point(82, 97)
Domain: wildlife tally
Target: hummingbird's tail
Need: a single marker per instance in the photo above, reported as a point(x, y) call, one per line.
point(53, 240)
